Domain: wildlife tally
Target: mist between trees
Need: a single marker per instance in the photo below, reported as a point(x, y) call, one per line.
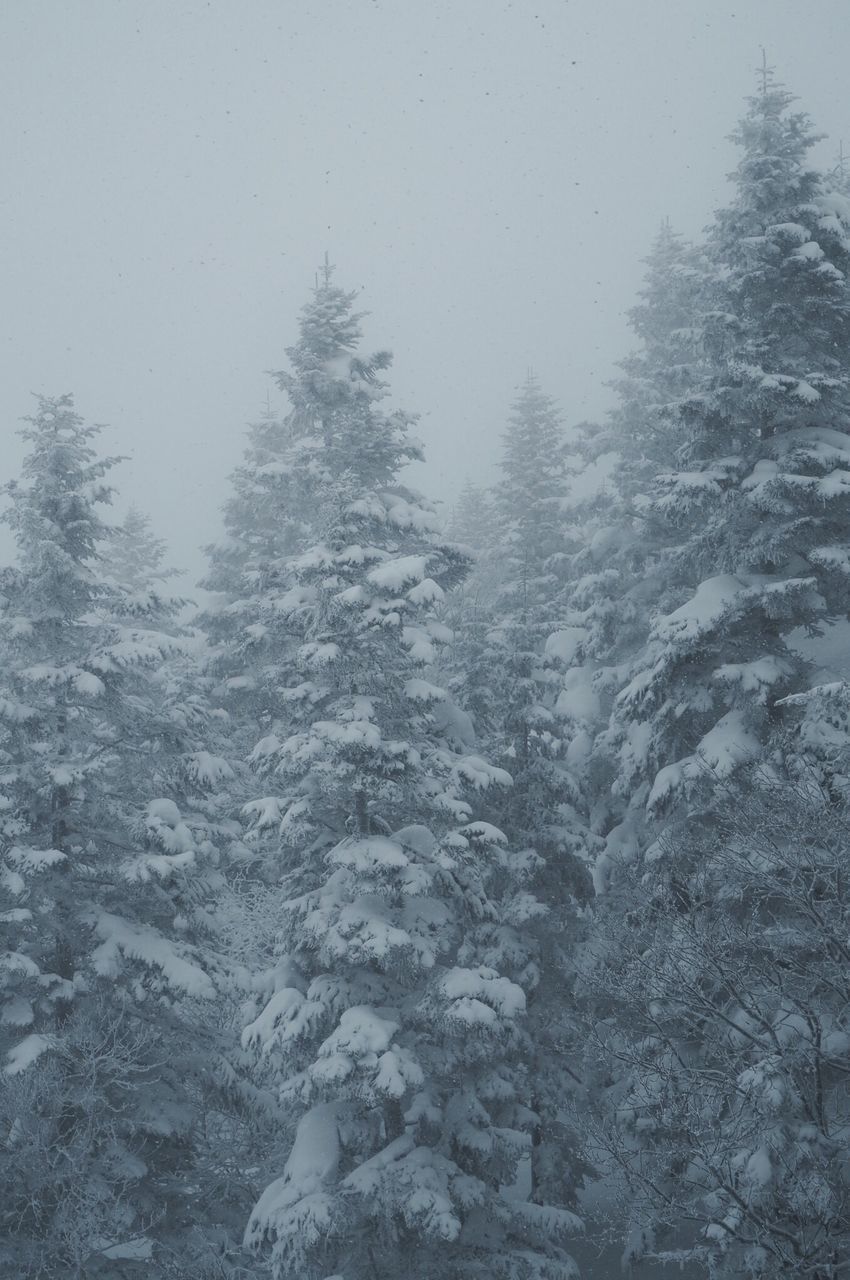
point(451, 899)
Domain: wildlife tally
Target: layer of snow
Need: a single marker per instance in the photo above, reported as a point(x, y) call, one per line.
point(481, 996)
point(122, 940)
point(26, 859)
point(728, 745)
point(139, 1249)
point(208, 770)
point(26, 1052)
point(563, 645)
point(578, 699)
point(713, 600)
point(296, 1203)
point(286, 1017)
point(484, 831)
point(426, 592)
point(395, 575)
point(422, 691)
point(756, 677)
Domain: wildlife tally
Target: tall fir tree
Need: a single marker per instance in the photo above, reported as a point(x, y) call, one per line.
point(266, 518)
point(728, 1022)
point(541, 695)
point(752, 510)
point(464, 666)
point(531, 647)
point(619, 576)
point(107, 1064)
point(273, 511)
point(135, 557)
point(749, 518)
point(393, 1020)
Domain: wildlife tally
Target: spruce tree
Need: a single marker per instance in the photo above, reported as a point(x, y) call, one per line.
point(643, 428)
point(135, 554)
point(531, 647)
point(619, 574)
point(465, 666)
point(729, 1024)
point(107, 963)
point(748, 521)
point(753, 505)
point(393, 1020)
point(265, 520)
point(272, 515)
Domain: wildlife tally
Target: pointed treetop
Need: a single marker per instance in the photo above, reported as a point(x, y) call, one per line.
point(135, 554)
point(666, 241)
point(771, 98)
point(334, 389)
point(666, 297)
point(839, 174)
point(765, 72)
point(63, 483)
point(329, 326)
point(773, 174)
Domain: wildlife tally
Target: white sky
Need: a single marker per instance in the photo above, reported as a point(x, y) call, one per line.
point(489, 173)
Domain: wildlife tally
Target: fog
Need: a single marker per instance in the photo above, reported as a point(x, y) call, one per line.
point(489, 175)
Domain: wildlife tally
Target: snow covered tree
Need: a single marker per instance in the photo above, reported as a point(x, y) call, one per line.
point(528, 648)
point(643, 427)
point(539, 737)
point(465, 665)
point(265, 518)
point(392, 1022)
point(728, 1017)
point(530, 495)
point(473, 520)
point(507, 661)
point(135, 555)
point(107, 1064)
point(752, 509)
point(510, 668)
point(619, 575)
point(475, 523)
point(187, 734)
point(745, 527)
point(273, 510)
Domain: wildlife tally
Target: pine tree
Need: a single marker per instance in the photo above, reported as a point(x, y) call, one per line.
point(516, 649)
point(473, 520)
point(619, 575)
point(542, 732)
point(729, 1024)
point(667, 321)
point(753, 507)
point(464, 666)
point(474, 523)
point(266, 519)
point(393, 1023)
point(515, 670)
point(135, 554)
point(176, 724)
point(272, 512)
point(530, 495)
point(748, 522)
point(532, 648)
point(107, 1066)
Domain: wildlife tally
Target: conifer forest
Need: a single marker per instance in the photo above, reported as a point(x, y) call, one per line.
point(450, 888)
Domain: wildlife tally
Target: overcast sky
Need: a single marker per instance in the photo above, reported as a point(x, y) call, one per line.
point(489, 174)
